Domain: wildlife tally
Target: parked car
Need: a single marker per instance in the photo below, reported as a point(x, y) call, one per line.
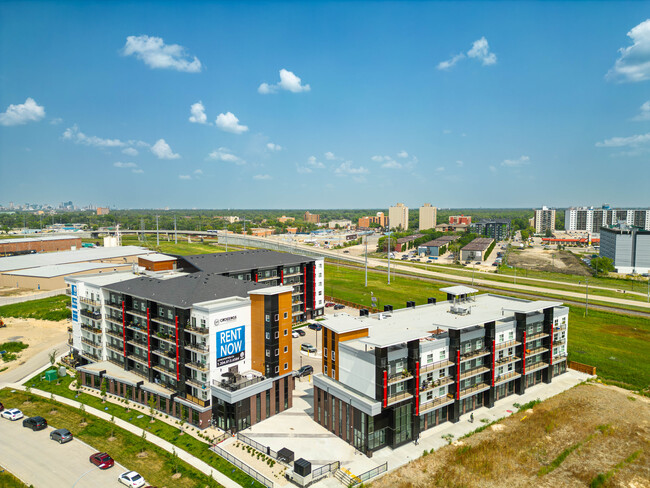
point(295, 334)
point(35, 423)
point(131, 479)
point(102, 460)
point(2, 407)
point(314, 326)
point(12, 414)
point(338, 306)
point(306, 346)
point(301, 332)
point(346, 252)
point(61, 435)
point(329, 304)
point(305, 370)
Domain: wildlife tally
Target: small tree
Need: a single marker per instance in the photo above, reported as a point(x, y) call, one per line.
point(77, 380)
point(152, 406)
point(102, 389)
point(52, 356)
point(183, 418)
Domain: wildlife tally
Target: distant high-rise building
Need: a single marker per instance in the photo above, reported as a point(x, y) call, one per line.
point(398, 216)
point(428, 216)
point(311, 218)
point(544, 220)
point(627, 246)
point(591, 219)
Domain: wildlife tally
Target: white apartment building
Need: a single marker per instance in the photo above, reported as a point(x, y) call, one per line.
point(398, 217)
point(428, 216)
point(590, 219)
point(544, 220)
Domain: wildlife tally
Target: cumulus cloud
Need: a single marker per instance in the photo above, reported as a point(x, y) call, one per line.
point(631, 141)
point(56, 121)
point(158, 55)
point(125, 165)
point(262, 177)
point(198, 171)
point(229, 123)
point(197, 111)
point(330, 156)
point(288, 81)
point(130, 151)
point(346, 168)
point(303, 170)
point(273, 147)
point(162, 150)
point(633, 63)
point(225, 155)
point(184, 177)
point(402, 154)
point(391, 164)
point(516, 163)
point(644, 113)
point(493, 169)
point(479, 51)
point(75, 135)
point(20, 114)
point(314, 163)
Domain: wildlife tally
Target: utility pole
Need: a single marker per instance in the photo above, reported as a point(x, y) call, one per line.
point(587, 297)
point(388, 247)
point(175, 233)
point(157, 235)
point(367, 263)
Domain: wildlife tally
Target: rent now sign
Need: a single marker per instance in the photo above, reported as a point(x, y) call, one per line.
point(230, 345)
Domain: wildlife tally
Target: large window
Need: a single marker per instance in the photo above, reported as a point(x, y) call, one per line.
point(402, 424)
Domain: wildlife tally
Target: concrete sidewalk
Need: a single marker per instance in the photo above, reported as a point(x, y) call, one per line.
point(167, 446)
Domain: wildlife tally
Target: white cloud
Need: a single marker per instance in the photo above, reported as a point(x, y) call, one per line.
point(516, 163)
point(379, 159)
point(644, 113)
point(229, 123)
point(446, 131)
point(184, 177)
point(288, 81)
point(262, 177)
point(56, 121)
point(303, 170)
point(314, 163)
point(198, 171)
point(22, 113)
point(198, 113)
point(460, 164)
point(493, 169)
point(347, 168)
point(125, 165)
point(162, 150)
point(330, 156)
point(402, 154)
point(137, 171)
point(225, 155)
point(130, 151)
point(391, 164)
point(156, 54)
point(75, 135)
point(440, 169)
point(633, 64)
point(631, 141)
point(480, 51)
point(273, 147)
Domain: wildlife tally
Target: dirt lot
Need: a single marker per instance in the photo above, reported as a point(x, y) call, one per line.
point(539, 259)
point(38, 334)
point(587, 431)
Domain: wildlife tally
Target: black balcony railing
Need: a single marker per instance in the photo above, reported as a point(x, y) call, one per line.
point(237, 385)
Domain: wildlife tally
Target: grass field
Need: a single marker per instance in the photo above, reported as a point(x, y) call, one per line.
point(52, 308)
point(159, 428)
point(8, 480)
point(617, 344)
point(155, 464)
point(183, 248)
point(12, 349)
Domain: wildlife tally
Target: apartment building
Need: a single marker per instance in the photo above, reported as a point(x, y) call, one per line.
point(590, 219)
point(497, 229)
point(379, 219)
point(212, 347)
point(387, 377)
point(460, 220)
point(311, 218)
point(398, 217)
point(428, 216)
point(544, 220)
point(627, 246)
point(103, 210)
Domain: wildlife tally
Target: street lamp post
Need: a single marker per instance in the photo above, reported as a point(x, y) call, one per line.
point(587, 297)
point(366, 260)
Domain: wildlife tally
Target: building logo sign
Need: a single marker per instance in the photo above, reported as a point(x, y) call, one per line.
point(230, 345)
point(225, 319)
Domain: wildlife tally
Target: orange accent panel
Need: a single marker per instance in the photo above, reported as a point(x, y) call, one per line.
point(284, 306)
point(257, 332)
point(346, 336)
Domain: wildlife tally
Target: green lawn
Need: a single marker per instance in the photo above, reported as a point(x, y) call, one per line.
point(157, 465)
point(183, 248)
point(11, 350)
point(617, 344)
point(8, 480)
point(52, 308)
point(161, 429)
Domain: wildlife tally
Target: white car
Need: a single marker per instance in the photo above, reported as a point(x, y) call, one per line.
point(12, 414)
point(132, 479)
point(295, 335)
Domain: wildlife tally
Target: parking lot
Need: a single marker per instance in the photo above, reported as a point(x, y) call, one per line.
point(301, 358)
point(41, 462)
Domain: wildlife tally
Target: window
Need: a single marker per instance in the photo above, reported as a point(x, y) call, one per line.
point(511, 335)
point(277, 369)
point(510, 366)
point(332, 373)
point(286, 366)
point(193, 321)
point(286, 332)
point(443, 354)
point(286, 349)
point(333, 356)
point(268, 353)
point(267, 317)
point(277, 317)
point(429, 358)
point(468, 347)
point(430, 395)
point(325, 351)
point(441, 391)
point(479, 344)
point(286, 315)
point(202, 322)
point(277, 334)
point(320, 292)
point(501, 337)
point(441, 374)
point(277, 352)
point(268, 335)
point(325, 370)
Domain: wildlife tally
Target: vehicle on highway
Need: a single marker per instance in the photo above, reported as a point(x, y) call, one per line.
point(316, 327)
point(35, 423)
point(61, 436)
point(305, 370)
point(131, 479)
point(300, 332)
point(12, 414)
point(295, 334)
point(306, 346)
point(346, 252)
point(102, 460)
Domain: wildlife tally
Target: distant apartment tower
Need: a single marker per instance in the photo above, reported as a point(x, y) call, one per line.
point(428, 216)
point(590, 219)
point(628, 247)
point(398, 216)
point(284, 219)
point(460, 219)
point(379, 219)
point(544, 220)
point(498, 229)
point(311, 218)
point(103, 210)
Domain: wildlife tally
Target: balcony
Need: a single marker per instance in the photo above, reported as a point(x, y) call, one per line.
point(474, 372)
point(114, 320)
point(114, 306)
point(88, 301)
point(472, 390)
point(133, 326)
point(473, 354)
point(90, 314)
point(168, 338)
point(560, 357)
point(166, 354)
point(445, 363)
point(115, 347)
point(91, 357)
point(559, 327)
point(197, 383)
point(436, 403)
point(140, 359)
point(439, 383)
point(197, 330)
point(161, 369)
point(196, 347)
point(534, 352)
point(198, 401)
point(398, 397)
point(504, 345)
point(137, 313)
point(397, 377)
point(534, 367)
point(137, 342)
point(559, 341)
point(168, 321)
point(114, 333)
point(506, 360)
point(92, 343)
point(91, 329)
point(506, 377)
point(198, 366)
point(534, 337)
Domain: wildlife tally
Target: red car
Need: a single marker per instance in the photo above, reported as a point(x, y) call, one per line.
point(103, 460)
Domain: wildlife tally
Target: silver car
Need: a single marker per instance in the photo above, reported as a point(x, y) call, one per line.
point(61, 435)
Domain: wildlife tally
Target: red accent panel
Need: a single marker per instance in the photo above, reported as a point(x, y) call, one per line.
point(255, 277)
point(124, 327)
point(493, 360)
point(282, 276)
point(178, 359)
point(550, 356)
point(417, 388)
point(385, 389)
point(148, 339)
point(524, 356)
point(458, 374)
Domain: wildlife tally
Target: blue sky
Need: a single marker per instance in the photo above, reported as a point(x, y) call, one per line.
point(325, 105)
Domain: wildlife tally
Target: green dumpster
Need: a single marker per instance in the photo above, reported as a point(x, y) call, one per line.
point(51, 375)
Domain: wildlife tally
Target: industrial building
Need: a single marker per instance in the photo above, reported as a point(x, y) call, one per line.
point(544, 220)
point(497, 229)
point(477, 250)
point(30, 245)
point(398, 217)
point(627, 246)
point(428, 216)
point(209, 339)
point(436, 247)
point(590, 219)
point(389, 376)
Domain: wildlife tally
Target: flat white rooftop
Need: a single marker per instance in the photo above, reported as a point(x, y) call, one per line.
point(63, 269)
point(158, 258)
point(99, 280)
point(38, 239)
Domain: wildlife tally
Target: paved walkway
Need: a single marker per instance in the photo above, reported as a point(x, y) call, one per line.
point(33, 296)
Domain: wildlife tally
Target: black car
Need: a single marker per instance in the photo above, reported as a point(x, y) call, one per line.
point(35, 423)
point(2, 407)
point(61, 435)
point(338, 306)
point(306, 370)
point(301, 332)
point(315, 327)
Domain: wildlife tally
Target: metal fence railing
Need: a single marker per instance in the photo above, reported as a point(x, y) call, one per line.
point(323, 470)
point(372, 473)
point(244, 467)
point(256, 445)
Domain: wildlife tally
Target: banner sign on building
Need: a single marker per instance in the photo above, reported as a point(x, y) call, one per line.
point(230, 345)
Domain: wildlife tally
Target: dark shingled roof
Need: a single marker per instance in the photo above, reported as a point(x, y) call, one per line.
point(183, 291)
point(478, 244)
point(232, 262)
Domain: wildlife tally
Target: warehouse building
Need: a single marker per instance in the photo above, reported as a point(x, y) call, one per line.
point(627, 246)
point(387, 377)
point(477, 250)
point(30, 245)
point(436, 247)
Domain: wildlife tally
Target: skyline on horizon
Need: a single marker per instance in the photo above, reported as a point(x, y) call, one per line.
point(326, 105)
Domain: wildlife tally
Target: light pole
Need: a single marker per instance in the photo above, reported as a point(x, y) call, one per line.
point(157, 234)
point(175, 233)
point(587, 297)
point(366, 260)
point(473, 267)
point(388, 247)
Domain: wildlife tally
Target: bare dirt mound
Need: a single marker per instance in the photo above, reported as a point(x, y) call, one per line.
point(591, 432)
point(542, 260)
